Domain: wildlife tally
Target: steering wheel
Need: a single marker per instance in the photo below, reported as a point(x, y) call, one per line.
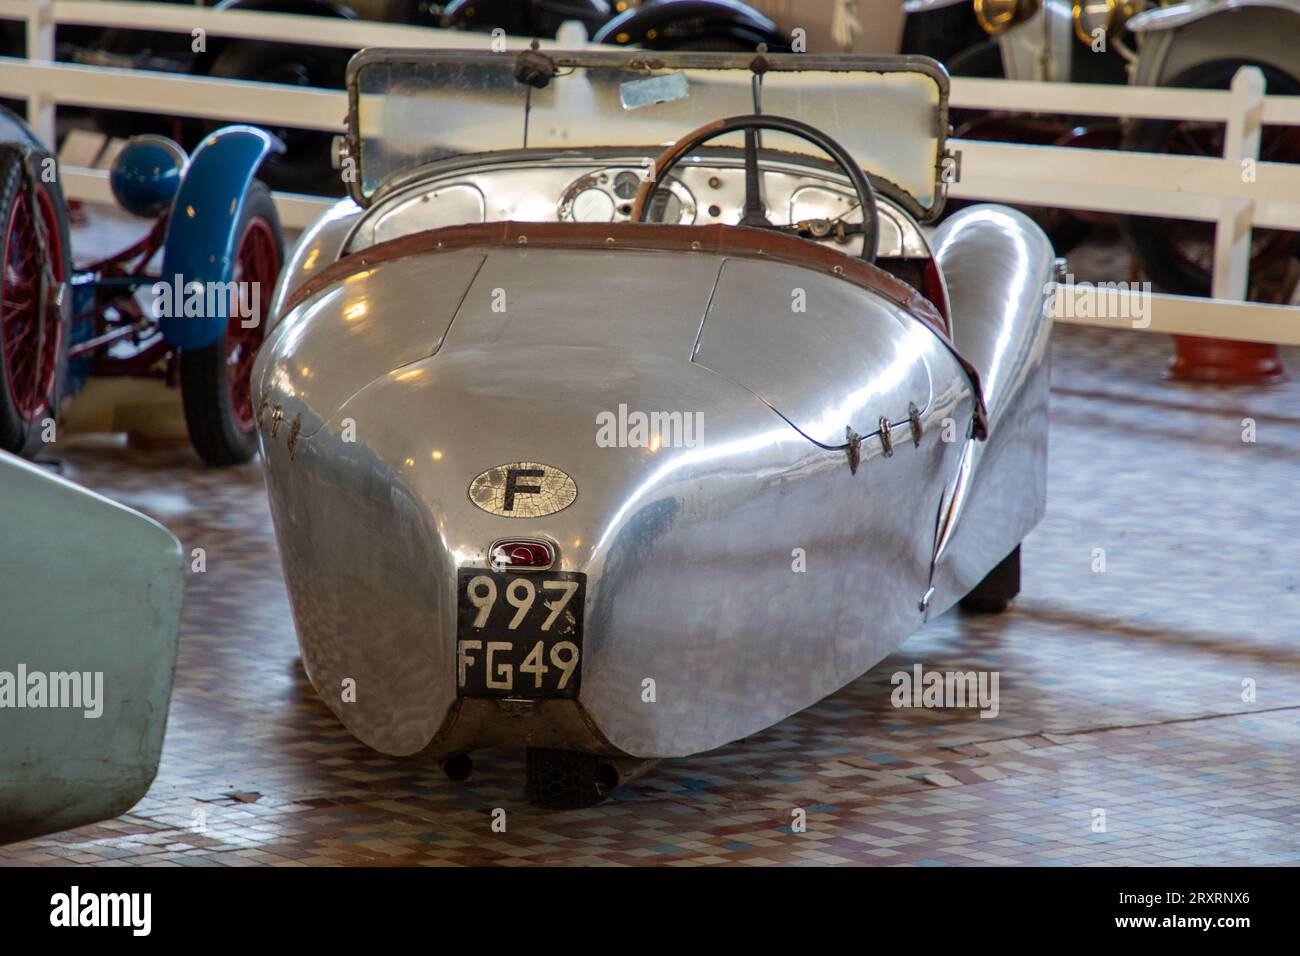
point(755, 213)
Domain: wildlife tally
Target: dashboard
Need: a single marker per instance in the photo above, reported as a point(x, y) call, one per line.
point(702, 190)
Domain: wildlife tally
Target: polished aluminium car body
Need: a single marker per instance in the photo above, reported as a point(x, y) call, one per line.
point(447, 319)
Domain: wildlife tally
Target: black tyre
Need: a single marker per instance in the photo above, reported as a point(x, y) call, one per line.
point(1063, 229)
point(943, 33)
point(1178, 254)
point(561, 779)
point(305, 166)
point(216, 381)
point(995, 592)
point(34, 333)
point(982, 60)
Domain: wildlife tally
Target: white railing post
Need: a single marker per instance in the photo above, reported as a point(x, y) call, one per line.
point(572, 35)
point(1240, 143)
point(40, 46)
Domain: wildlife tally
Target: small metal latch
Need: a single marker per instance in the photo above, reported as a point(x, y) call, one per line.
point(914, 416)
point(294, 429)
point(923, 605)
point(854, 449)
point(533, 68)
point(886, 437)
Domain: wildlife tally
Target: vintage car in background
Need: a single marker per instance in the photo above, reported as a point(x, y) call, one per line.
point(304, 165)
point(1198, 44)
point(1014, 39)
point(91, 592)
point(217, 230)
point(651, 24)
point(1020, 40)
point(484, 533)
point(1201, 44)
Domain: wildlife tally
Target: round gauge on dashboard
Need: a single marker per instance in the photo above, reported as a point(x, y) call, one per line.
point(607, 195)
point(672, 203)
point(626, 184)
point(593, 205)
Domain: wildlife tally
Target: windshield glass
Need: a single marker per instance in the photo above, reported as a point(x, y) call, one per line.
point(409, 108)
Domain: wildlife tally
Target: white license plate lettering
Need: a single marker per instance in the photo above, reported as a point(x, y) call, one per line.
point(567, 588)
point(519, 635)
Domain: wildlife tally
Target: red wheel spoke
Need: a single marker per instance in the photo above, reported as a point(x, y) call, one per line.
point(257, 260)
point(30, 353)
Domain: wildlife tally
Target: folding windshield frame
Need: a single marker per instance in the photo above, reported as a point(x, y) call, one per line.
point(632, 60)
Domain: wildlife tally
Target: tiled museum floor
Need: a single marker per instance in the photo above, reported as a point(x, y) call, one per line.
point(1121, 691)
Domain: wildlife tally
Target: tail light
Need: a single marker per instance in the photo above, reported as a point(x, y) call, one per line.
point(521, 554)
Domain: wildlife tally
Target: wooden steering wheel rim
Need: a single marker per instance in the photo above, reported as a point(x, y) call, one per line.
point(673, 154)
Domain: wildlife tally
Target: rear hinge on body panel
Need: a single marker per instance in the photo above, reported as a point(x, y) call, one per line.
point(914, 416)
point(853, 448)
point(295, 428)
point(885, 432)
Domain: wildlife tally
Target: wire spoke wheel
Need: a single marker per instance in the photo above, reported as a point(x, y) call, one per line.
point(31, 335)
point(257, 264)
point(1178, 254)
point(33, 339)
point(1193, 241)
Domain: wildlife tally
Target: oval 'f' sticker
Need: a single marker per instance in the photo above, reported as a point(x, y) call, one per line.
point(523, 489)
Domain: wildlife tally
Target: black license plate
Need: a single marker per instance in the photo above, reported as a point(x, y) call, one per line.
point(519, 635)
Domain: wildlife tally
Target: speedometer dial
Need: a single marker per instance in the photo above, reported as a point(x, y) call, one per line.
point(606, 196)
point(593, 205)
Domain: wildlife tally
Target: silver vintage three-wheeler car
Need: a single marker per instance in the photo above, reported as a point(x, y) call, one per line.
point(625, 408)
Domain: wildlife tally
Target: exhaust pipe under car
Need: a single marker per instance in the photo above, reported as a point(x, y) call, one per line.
point(614, 772)
point(608, 774)
point(457, 767)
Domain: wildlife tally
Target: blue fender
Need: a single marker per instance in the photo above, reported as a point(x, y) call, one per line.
point(200, 241)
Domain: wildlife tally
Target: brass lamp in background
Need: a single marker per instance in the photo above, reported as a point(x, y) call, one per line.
point(1108, 15)
point(998, 16)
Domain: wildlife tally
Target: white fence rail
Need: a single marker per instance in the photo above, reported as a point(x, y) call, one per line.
point(1236, 191)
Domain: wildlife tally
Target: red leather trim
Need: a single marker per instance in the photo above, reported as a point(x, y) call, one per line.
point(716, 239)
